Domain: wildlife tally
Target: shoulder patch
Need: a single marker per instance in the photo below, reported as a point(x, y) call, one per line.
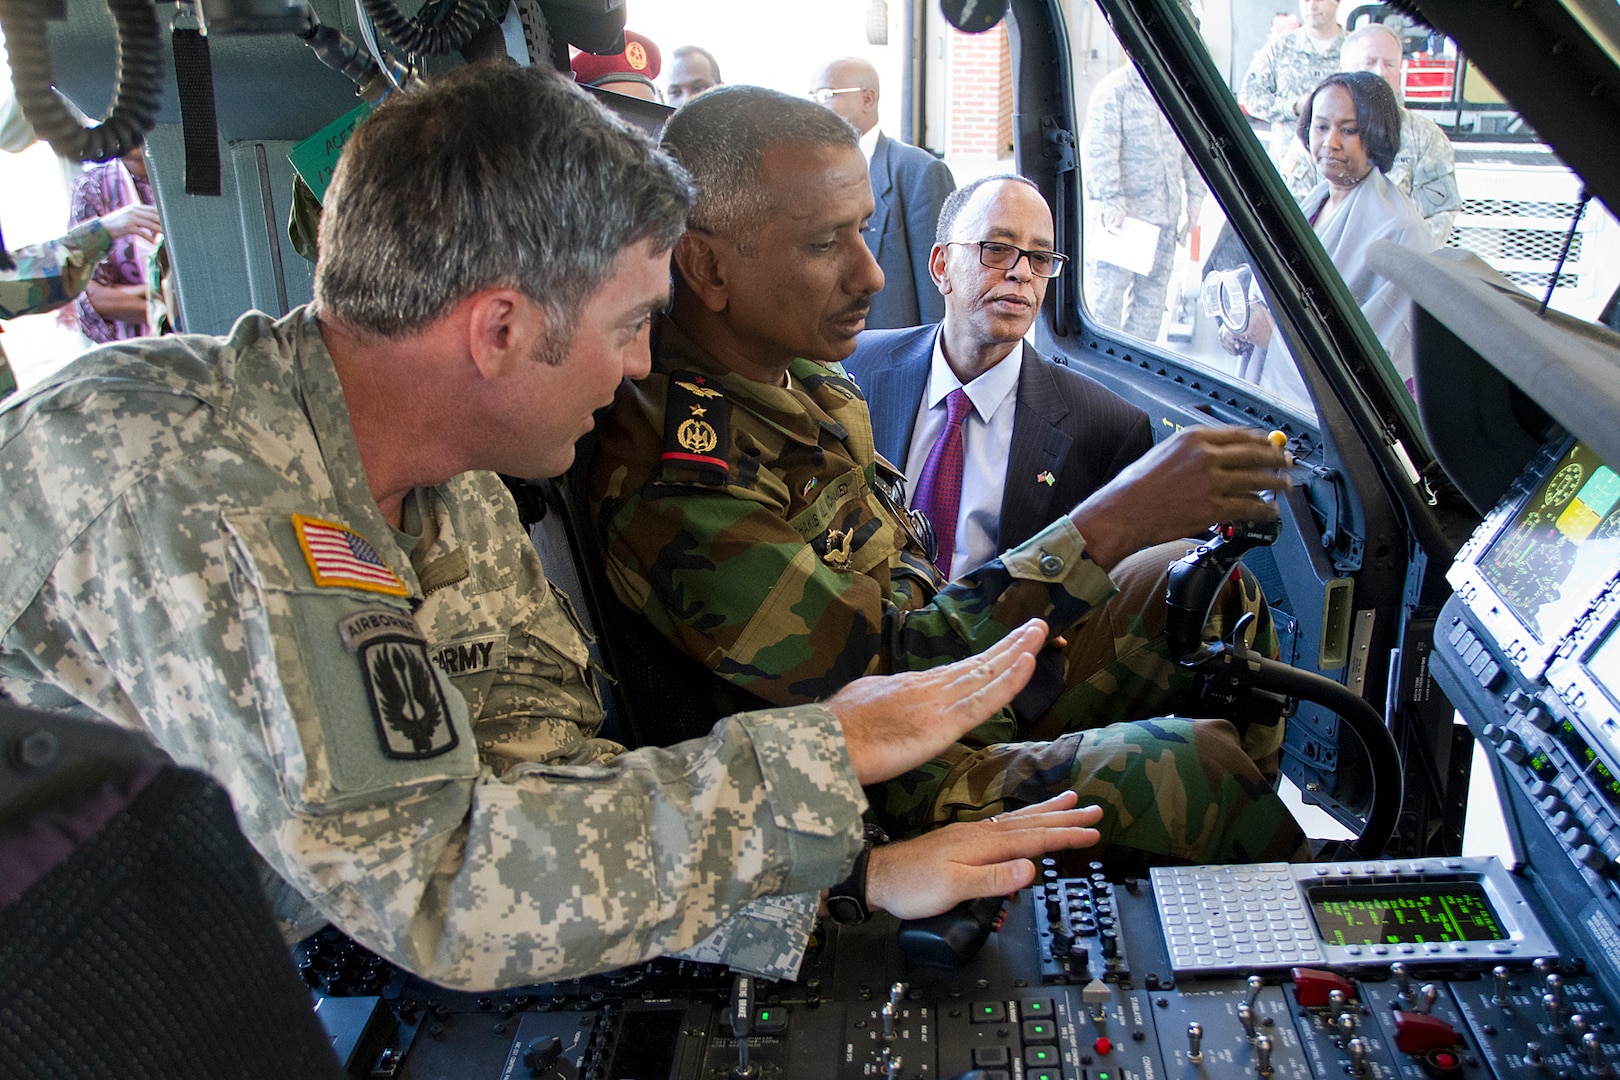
point(697, 427)
point(407, 703)
point(340, 558)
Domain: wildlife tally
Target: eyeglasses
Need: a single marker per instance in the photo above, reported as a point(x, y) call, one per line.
point(825, 94)
point(999, 256)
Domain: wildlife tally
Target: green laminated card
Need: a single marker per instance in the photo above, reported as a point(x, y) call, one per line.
point(317, 156)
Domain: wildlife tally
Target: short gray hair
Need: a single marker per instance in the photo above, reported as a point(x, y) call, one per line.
point(721, 138)
point(491, 176)
point(951, 209)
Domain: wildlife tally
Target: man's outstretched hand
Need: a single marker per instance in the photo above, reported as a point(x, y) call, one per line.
point(932, 873)
point(896, 722)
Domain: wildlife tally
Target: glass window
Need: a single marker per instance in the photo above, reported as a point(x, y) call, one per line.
point(1432, 157)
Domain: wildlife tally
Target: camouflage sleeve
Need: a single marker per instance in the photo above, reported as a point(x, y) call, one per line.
point(1100, 147)
point(189, 625)
point(50, 274)
point(739, 589)
point(1434, 177)
point(1260, 95)
point(1298, 170)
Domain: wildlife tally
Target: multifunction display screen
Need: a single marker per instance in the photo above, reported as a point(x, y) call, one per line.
point(1561, 548)
point(1399, 914)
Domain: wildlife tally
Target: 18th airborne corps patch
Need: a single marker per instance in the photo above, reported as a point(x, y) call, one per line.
point(407, 703)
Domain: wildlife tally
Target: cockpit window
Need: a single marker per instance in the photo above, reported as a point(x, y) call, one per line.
point(1380, 131)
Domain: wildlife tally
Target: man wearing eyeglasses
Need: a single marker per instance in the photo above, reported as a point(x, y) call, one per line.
point(909, 185)
point(744, 512)
point(1037, 438)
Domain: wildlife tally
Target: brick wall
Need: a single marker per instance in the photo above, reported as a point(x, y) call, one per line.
point(979, 94)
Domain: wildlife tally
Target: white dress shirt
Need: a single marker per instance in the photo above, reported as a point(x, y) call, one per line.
point(986, 443)
point(869, 143)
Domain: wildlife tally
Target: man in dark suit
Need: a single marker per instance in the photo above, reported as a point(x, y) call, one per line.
point(909, 185)
point(1040, 437)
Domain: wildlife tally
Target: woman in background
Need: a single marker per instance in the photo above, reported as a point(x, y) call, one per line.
point(113, 306)
point(1352, 127)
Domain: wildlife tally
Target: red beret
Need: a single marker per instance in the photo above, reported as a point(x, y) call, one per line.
point(640, 57)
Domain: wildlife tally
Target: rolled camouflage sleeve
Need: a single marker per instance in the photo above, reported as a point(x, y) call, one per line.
point(737, 587)
point(50, 274)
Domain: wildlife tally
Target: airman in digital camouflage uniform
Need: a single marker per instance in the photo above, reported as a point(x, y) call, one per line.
point(1133, 165)
point(43, 277)
point(269, 552)
point(747, 516)
point(1425, 167)
point(1288, 67)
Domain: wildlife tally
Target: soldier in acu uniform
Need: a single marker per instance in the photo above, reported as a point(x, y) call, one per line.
point(1134, 166)
point(1285, 70)
point(268, 552)
point(748, 517)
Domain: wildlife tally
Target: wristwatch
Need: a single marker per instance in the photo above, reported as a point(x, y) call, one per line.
point(846, 901)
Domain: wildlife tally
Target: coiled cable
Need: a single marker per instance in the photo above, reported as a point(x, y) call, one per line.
point(139, 92)
point(419, 38)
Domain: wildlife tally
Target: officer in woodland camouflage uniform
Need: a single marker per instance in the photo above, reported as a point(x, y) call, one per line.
point(1133, 165)
point(1285, 70)
point(265, 551)
point(1425, 167)
point(43, 277)
point(747, 516)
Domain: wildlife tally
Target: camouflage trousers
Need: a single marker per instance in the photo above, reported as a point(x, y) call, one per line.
point(8, 382)
point(1172, 790)
point(1107, 285)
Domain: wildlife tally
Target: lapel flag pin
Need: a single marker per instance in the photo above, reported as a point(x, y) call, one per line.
point(1046, 478)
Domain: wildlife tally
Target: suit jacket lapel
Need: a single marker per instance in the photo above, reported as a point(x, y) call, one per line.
point(898, 383)
point(1039, 446)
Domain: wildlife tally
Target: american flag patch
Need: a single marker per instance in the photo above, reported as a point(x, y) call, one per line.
point(342, 558)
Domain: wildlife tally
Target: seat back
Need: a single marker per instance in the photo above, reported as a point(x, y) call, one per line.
point(662, 695)
point(135, 937)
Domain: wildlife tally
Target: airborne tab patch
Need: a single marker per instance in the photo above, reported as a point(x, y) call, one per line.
point(340, 558)
point(697, 426)
point(407, 703)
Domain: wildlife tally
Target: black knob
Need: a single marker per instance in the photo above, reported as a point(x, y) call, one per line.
point(542, 1053)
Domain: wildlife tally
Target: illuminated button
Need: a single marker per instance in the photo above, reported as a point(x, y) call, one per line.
point(989, 1012)
point(770, 1020)
point(1047, 1074)
point(1039, 1031)
point(991, 1056)
point(1036, 1008)
point(1042, 1057)
point(1102, 1046)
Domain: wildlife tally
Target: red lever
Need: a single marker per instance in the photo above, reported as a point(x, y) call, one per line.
point(1313, 985)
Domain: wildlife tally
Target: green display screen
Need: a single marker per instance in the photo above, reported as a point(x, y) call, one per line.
point(1399, 914)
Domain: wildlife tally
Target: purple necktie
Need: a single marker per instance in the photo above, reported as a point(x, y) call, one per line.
point(939, 488)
